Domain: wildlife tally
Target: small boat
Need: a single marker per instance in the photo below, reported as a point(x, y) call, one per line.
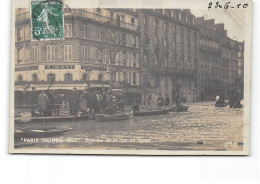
point(39, 133)
point(220, 105)
point(114, 117)
point(154, 112)
point(51, 118)
point(179, 109)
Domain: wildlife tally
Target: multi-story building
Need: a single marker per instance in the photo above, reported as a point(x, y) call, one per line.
point(218, 69)
point(169, 51)
point(209, 67)
point(229, 56)
point(137, 51)
point(100, 49)
point(240, 57)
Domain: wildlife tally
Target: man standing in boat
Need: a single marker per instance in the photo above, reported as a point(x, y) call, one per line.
point(109, 104)
point(166, 101)
point(33, 101)
point(43, 102)
point(99, 102)
point(160, 101)
point(148, 102)
point(90, 101)
point(83, 102)
point(178, 100)
point(74, 102)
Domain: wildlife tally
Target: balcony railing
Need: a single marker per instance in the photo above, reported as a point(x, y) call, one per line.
point(22, 16)
point(103, 19)
point(210, 49)
point(88, 15)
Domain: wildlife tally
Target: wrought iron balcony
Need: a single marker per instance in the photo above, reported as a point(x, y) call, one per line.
point(22, 16)
point(102, 19)
point(209, 48)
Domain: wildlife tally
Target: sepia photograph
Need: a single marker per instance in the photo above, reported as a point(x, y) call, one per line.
point(155, 79)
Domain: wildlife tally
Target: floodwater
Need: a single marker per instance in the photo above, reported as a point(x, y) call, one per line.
point(203, 127)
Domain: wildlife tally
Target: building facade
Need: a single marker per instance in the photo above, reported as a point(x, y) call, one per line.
point(209, 67)
point(218, 69)
point(100, 50)
point(137, 51)
point(169, 51)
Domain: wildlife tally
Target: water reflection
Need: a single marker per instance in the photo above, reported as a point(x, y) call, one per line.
point(204, 127)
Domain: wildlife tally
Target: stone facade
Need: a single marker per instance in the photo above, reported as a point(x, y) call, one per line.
point(138, 51)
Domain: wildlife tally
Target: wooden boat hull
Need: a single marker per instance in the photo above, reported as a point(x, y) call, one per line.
point(150, 113)
point(180, 109)
point(39, 133)
point(51, 118)
point(220, 105)
point(114, 117)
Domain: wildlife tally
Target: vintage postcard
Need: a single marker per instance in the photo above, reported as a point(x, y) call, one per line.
point(139, 77)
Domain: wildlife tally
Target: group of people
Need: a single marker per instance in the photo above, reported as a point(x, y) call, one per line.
point(92, 101)
point(88, 101)
point(234, 99)
point(48, 103)
point(161, 102)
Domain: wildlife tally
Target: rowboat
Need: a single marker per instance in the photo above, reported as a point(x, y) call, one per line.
point(179, 109)
point(220, 104)
point(114, 117)
point(154, 112)
point(51, 118)
point(39, 133)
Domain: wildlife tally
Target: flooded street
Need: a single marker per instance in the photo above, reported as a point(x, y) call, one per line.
point(203, 127)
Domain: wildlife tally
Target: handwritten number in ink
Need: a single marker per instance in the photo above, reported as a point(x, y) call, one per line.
point(245, 5)
point(210, 4)
point(226, 5)
point(218, 5)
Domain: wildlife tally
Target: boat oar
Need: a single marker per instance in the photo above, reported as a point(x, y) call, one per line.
point(235, 103)
point(113, 104)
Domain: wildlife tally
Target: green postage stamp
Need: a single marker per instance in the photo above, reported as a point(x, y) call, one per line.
point(47, 20)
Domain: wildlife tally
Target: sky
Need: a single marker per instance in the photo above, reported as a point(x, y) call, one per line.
point(234, 21)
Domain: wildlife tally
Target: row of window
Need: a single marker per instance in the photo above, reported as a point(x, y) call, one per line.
point(210, 70)
point(24, 54)
point(209, 57)
point(102, 55)
point(106, 36)
point(174, 14)
point(209, 43)
point(50, 77)
point(129, 77)
point(230, 53)
point(166, 28)
point(118, 58)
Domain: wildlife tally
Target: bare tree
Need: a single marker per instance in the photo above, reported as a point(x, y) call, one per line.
point(114, 43)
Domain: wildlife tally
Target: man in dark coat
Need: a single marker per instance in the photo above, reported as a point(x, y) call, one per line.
point(166, 101)
point(95, 101)
point(90, 101)
point(57, 100)
point(160, 101)
point(74, 102)
point(148, 102)
point(33, 101)
point(43, 102)
point(135, 107)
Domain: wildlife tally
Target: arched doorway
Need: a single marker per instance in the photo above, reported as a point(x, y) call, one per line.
point(20, 78)
point(68, 77)
point(34, 78)
point(50, 77)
